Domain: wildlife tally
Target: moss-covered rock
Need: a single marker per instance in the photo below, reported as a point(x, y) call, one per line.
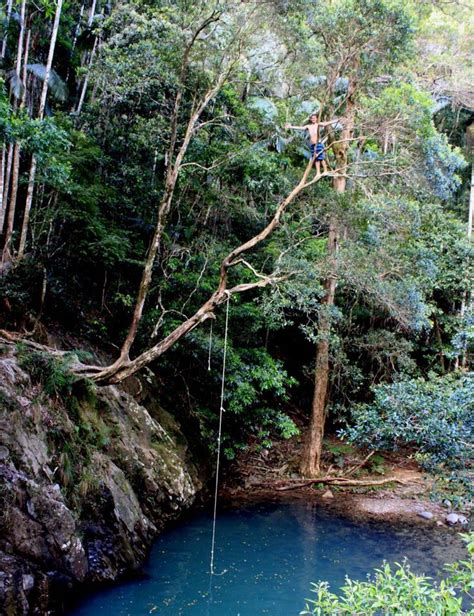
point(87, 479)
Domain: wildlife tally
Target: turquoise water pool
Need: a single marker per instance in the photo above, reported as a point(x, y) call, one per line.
point(266, 557)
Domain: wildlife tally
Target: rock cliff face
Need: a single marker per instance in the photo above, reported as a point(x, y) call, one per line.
point(87, 479)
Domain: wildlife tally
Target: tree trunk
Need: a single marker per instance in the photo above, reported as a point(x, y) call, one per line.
point(6, 188)
point(311, 459)
point(78, 28)
point(87, 59)
point(5, 36)
point(469, 295)
point(16, 160)
point(311, 462)
point(2, 185)
point(16, 148)
point(85, 83)
point(44, 94)
point(91, 13)
point(470, 223)
point(6, 256)
point(75, 37)
point(439, 342)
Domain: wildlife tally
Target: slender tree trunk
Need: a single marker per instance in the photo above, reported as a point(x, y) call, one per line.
point(2, 185)
point(24, 73)
point(6, 188)
point(15, 177)
point(470, 223)
point(75, 37)
point(78, 27)
point(85, 83)
point(311, 459)
point(5, 36)
point(439, 341)
point(21, 38)
point(16, 160)
point(311, 462)
point(16, 147)
point(468, 299)
point(44, 93)
point(91, 13)
point(12, 207)
point(28, 204)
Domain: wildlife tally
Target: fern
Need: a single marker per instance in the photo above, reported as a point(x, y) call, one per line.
point(53, 373)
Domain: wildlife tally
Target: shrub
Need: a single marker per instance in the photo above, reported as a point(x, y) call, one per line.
point(52, 372)
point(399, 591)
point(56, 376)
point(434, 416)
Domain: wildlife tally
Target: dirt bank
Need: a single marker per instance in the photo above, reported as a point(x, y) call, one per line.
point(390, 487)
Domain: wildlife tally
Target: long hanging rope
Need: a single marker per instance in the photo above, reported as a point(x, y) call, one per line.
point(210, 348)
point(219, 435)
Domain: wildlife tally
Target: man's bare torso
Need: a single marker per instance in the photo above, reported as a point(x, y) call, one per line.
point(313, 132)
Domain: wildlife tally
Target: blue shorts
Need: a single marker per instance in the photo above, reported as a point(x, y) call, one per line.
point(317, 151)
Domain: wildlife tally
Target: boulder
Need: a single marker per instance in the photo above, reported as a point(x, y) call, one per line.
point(452, 519)
point(427, 515)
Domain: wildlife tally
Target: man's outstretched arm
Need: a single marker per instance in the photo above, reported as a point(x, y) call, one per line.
point(297, 127)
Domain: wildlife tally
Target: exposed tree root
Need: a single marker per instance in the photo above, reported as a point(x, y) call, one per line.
point(341, 481)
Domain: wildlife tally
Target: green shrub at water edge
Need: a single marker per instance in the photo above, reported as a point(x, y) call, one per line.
point(399, 591)
point(435, 416)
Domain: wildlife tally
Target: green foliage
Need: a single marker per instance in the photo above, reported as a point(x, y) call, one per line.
point(454, 489)
point(403, 264)
point(434, 416)
point(339, 452)
point(257, 386)
point(399, 590)
point(54, 373)
point(46, 139)
point(22, 287)
point(463, 340)
point(382, 29)
point(377, 465)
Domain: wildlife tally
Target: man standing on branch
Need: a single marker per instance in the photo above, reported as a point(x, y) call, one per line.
point(316, 145)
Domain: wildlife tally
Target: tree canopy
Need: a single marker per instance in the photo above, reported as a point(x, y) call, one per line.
point(147, 179)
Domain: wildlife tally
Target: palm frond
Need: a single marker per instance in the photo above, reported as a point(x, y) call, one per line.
point(16, 84)
point(56, 85)
point(264, 105)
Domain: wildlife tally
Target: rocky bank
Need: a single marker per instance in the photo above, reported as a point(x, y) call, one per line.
point(88, 477)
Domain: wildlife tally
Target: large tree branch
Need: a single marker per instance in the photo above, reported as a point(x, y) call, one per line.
point(119, 371)
point(203, 314)
point(163, 211)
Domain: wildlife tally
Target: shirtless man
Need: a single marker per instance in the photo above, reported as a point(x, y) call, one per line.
point(316, 146)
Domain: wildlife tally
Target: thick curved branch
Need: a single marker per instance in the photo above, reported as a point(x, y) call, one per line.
point(118, 372)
